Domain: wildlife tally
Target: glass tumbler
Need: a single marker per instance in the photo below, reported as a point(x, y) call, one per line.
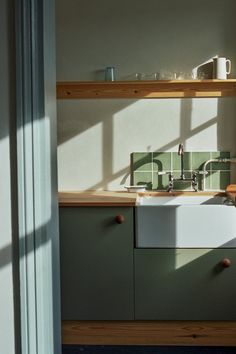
point(110, 73)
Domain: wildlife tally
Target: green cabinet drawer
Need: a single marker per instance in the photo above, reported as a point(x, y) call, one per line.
point(96, 263)
point(185, 284)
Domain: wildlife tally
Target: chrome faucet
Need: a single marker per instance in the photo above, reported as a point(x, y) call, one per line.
point(182, 177)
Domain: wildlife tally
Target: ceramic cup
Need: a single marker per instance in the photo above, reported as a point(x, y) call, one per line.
point(220, 70)
point(110, 73)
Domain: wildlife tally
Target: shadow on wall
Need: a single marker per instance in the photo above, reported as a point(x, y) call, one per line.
point(96, 113)
point(72, 124)
point(126, 47)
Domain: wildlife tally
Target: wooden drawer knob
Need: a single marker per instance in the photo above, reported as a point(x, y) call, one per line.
point(120, 219)
point(226, 262)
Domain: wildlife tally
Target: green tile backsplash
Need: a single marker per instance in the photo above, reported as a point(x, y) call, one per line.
point(145, 165)
point(161, 161)
point(143, 178)
point(141, 161)
point(198, 160)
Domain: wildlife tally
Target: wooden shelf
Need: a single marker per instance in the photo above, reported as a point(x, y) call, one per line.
point(146, 89)
point(198, 333)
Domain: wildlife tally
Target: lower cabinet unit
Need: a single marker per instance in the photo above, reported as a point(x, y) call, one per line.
point(103, 277)
point(97, 263)
point(185, 284)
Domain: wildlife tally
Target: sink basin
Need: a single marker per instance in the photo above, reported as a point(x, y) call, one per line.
point(181, 200)
point(185, 222)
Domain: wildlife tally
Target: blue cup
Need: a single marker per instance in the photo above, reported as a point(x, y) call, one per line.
point(110, 73)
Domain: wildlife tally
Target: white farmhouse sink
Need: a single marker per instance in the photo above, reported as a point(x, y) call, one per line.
point(181, 200)
point(185, 222)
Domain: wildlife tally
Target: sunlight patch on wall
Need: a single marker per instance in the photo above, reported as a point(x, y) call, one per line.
point(146, 125)
point(97, 137)
point(208, 109)
point(208, 138)
point(86, 155)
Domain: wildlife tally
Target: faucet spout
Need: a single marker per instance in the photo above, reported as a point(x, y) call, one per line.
point(181, 149)
point(182, 178)
point(204, 171)
point(181, 154)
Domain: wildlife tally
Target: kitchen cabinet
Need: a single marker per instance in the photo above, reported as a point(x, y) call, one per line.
point(104, 277)
point(97, 263)
point(185, 284)
point(146, 89)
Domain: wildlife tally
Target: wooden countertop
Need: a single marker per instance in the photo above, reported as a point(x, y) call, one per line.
point(110, 198)
point(97, 198)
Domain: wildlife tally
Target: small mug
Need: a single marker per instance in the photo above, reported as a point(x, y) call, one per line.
point(220, 71)
point(110, 73)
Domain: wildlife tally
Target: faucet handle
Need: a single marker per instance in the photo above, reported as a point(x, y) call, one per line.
point(169, 173)
point(202, 172)
point(161, 173)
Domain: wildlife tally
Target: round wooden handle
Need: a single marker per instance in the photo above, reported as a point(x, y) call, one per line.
point(120, 219)
point(226, 262)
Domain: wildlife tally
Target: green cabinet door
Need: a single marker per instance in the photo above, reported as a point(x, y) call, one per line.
point(185, 284)
point(96, 263)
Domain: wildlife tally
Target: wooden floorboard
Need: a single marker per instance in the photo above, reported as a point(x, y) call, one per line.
point(202, 333)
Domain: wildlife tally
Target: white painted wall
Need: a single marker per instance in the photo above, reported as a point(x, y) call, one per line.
point(7, 107)
point(96, 137)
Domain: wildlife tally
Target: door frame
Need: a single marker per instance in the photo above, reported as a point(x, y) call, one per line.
point(39, 271)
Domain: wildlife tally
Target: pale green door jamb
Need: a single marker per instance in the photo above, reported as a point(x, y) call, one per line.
point(37, 179)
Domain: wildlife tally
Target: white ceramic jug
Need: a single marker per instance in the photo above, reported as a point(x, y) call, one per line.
point(220, 68)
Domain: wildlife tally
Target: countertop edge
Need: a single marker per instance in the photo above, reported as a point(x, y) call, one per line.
point(101, 204)
point(113, 198)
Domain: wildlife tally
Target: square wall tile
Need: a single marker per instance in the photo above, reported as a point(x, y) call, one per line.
point(160, 182)
point(176, 161)
point(182, 185)
point(198, 160)
point(207, 181)
point(217, 180)
point(141, 161)
point(200, 182)
point(161, 161)
point(224, 179)
point(143, 178)
point(220, 166)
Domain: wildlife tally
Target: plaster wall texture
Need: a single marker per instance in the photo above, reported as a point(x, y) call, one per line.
point(96, 137)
